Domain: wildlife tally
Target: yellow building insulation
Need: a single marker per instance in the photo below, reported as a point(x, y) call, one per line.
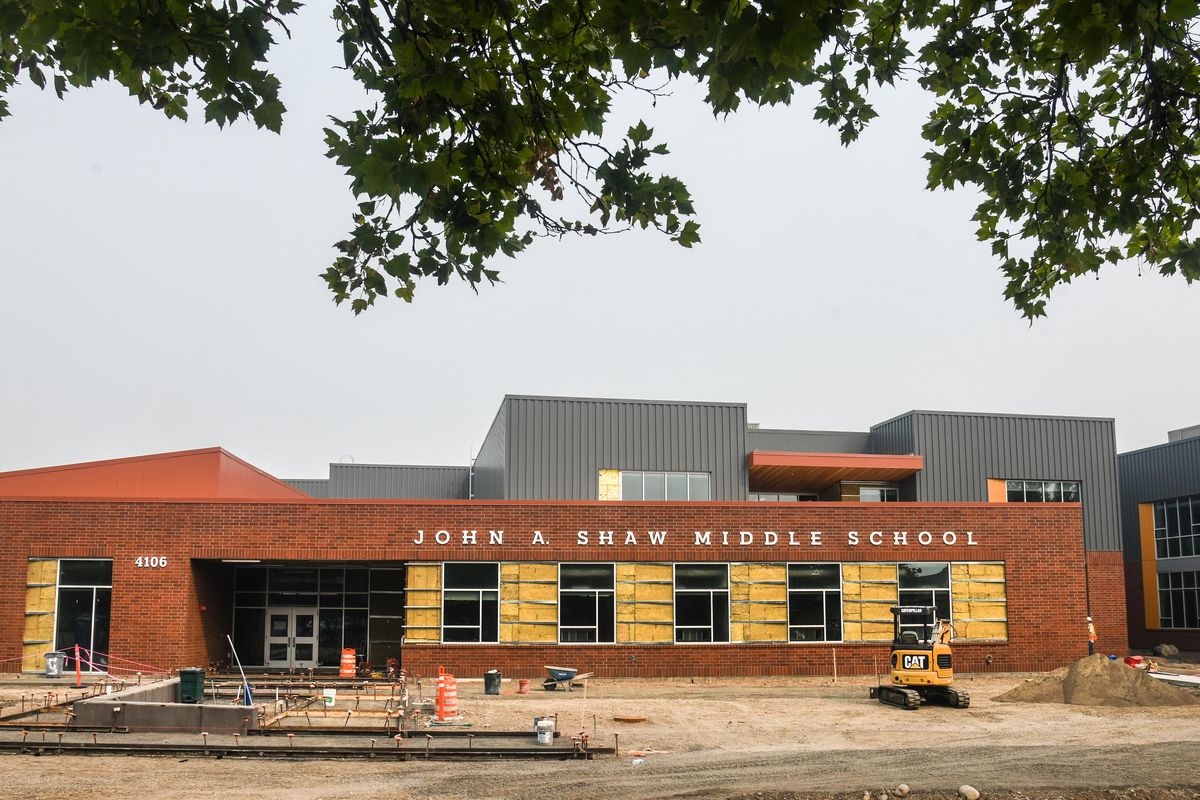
point(423, 603)
point(41, 580)
point(758, 597)
point(980, 600)
point(645, 603)
point(528, 602)
point(868, 593)
point(609, 485)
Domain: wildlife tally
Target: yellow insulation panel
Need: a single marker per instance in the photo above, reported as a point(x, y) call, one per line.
point(423, 624)
point(645, 612)
point(645, 632)
point(645, 572)
point(528, 633)
point(424, 576)
point(977, 609)
point(854, 631)
point(608, 484)
point(981, 629)
point(978, 571)
point(869, 572)
point(33, 658)
point(39, 628)
point(39, 598)
point(423, 597)
point(43, 571)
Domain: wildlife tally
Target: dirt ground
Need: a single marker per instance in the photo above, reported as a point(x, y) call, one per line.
point(772, 739)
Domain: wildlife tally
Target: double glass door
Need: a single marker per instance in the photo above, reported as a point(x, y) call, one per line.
point(291, 637)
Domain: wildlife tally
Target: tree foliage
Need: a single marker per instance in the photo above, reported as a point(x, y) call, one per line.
point(486, 124)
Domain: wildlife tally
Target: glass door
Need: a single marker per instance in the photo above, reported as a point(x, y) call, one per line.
point(291, 638)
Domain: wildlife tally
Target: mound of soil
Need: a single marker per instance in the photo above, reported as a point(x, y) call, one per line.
point(1097, 681)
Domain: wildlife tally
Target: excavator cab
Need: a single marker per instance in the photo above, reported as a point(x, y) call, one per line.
point(922, 668)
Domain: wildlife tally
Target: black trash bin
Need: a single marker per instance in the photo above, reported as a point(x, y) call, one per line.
point(191, 685)
point(491, 681)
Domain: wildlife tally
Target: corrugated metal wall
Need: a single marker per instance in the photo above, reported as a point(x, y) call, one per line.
point(1156, 473)
point(490, 460)
point(396, 482)
point(784, 441)
point(313, 487)
point(557, 445)
point(962, 451)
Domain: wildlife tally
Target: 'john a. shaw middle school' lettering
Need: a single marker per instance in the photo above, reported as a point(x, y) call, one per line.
point(605, 538)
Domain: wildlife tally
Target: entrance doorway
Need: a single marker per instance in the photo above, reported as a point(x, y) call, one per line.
point(291, 638)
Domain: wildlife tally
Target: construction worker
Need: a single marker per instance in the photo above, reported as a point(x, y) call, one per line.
point(1091, 637)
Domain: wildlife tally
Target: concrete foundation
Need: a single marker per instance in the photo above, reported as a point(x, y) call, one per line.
point(153, 708)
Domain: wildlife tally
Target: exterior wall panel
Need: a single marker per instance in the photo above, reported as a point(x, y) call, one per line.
point(313, 487)
point(784, 441)
point(962, 451)
point(399, 482)
point(557, 446)
point(491, 461)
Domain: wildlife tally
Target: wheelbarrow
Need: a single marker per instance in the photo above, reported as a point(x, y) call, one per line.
point(562, 677)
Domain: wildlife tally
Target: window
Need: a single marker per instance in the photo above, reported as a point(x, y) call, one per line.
point(780, 498)
point(1177, 527)
point(470, 602)
point(925, 584)
point(814, 602)
point(701, 602)
point(1042, 491)
point(1179, 599)
point(586, 611)
point(83, 612)
point(878, 494)
point(665, 485)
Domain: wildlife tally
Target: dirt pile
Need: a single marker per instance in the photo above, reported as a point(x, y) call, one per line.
point(1097, 681)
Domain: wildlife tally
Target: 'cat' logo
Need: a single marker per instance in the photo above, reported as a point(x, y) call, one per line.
point(916, 662)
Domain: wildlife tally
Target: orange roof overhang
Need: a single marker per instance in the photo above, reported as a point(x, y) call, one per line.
point(813, 472)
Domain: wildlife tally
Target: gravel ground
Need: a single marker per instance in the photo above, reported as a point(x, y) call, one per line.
point(750, 738)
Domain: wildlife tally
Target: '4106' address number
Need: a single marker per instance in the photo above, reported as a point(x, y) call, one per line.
point(150, 561)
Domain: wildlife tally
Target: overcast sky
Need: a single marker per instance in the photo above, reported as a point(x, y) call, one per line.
point(162, 292)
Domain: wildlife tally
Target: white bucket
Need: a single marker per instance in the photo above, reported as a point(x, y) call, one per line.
point(329, 696)
point(545, 730)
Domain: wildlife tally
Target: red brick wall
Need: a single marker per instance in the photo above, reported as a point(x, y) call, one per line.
point(1106, 593)
point(156, 615)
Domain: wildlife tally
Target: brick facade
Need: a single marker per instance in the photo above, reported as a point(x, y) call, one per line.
point(157, 617)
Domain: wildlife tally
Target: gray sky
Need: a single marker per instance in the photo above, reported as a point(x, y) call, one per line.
point(162, 293)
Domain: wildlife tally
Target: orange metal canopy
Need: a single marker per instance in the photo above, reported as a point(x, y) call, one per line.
point(812, 472)
point(210, 473)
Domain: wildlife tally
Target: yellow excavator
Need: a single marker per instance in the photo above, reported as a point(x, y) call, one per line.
point(922, 663)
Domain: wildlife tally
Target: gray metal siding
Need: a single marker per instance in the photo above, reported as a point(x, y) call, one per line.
point(896, 437)
point(1156, 473)
point(783, 441)
point(397, 482)
point(962, 451)
point(556, 446)
point(490, 472)
point(313, 487)
point(1183, 433)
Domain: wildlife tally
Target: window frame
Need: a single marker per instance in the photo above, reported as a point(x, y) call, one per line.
point(1162, 535)
point(479, 599)
point(825, 607)
point(687, 474)
point(949, 590)
point(1059, 482)
point(675, 604)
point(595, 592)
point(58, 584)
point(1170, 593)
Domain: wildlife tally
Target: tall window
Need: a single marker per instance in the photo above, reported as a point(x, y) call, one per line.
point(1179, 599)
point(84, 610)
point(878, 494)
point(702, 602)
point(1177, 527)
point(586, 611)
point(925, 584)
point(814, 602)
point(1042, 491)
point(470, 602)
point(665, 486)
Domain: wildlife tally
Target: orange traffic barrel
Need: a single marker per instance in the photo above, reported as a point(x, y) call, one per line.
point(347, 668)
